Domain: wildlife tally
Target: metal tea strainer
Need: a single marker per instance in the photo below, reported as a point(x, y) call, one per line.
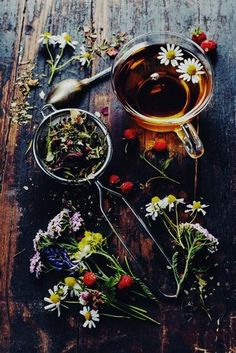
point(51, 117)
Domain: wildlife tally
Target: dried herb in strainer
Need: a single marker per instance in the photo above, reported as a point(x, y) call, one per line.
point(75, 147)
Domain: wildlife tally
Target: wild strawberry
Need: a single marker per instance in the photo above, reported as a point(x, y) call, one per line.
point(113, 179)
point(198, 36)
point(89, 278)
point(130, 134)
point(209, 45)
point(126, 281)
point(126, 187)
point(160, 145)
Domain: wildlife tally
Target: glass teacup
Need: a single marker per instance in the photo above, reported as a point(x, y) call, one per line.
point(164, 80)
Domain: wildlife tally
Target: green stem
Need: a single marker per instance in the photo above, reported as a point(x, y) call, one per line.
point(184, 275)
point(157, 169)
point(116, 316)
point(66, 63)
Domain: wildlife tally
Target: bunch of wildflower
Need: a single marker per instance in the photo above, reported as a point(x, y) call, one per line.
point(189, 238)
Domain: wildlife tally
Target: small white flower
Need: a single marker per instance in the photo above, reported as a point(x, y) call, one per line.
point(190, 70)
point(153, 208)
point(65, 39)
point(170, 55)
point(85, 57)
point(213, 241)
point(90, 316)
point(155, 76)
point(196, 207)
point(73, 286)
point(47, 38)
point(42, 94)
point(56, 295)
point(170, 201)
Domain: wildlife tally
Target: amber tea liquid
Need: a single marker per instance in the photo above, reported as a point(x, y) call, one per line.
point(152, 89)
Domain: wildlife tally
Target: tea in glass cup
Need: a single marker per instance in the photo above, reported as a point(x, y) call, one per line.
point(164, 81)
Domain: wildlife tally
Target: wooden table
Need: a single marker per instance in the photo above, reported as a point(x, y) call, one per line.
point(29, 199)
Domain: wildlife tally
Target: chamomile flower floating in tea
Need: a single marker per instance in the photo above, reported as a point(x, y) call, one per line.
point(170, 55)
point(190, 70)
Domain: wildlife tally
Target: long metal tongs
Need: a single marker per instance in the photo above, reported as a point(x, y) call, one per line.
point(155, 289)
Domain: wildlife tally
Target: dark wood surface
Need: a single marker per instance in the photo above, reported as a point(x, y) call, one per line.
point(29, 199)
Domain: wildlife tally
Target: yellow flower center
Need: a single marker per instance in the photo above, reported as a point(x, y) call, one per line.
point(55, 298)
point(170, 54)
point(171, 198)
point(155, 199)
point(70, 281)
point(47, 35)
point(191, 70)
point(197, 205)
point(67, 37)
point(87, 315)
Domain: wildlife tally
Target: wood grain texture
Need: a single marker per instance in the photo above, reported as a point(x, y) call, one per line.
point(24, 325)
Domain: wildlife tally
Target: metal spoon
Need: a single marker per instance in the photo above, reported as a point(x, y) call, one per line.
point(66, 90)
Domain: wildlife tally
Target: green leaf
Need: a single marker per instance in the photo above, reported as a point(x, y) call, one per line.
point(175, 266)
point(165, 164)
point(112, 281)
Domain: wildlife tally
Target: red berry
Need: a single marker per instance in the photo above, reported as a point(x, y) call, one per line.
point(113, 179)
point(126, 281)
point(209, 45)
point(198, 36)
point(160, 145)
point(126, 187)
point(130, 134)
point(89, 278)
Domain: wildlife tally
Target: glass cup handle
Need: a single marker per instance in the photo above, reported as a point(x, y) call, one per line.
point(190, 140)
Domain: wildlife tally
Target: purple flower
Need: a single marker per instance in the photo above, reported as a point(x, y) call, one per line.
point(38, 238)
point(36, 264)
point(58, 258)
point(76, 222)
point(59, 224)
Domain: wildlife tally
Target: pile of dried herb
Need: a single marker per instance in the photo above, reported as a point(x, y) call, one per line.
point(75, 146)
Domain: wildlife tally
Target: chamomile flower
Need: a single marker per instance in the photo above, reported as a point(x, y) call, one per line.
point(153, 208)
point(85, 56)
point(196, 207)
point(90, 316)
point(190, 70)
point(66, 39)
point(73, 286)
point(47, 38)
point(170, 55)
point(170, 201)
point(56, 296)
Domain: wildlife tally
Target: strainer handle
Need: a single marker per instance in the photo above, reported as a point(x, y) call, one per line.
point(136, 262)
point(139, 219)
point(47, 110)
